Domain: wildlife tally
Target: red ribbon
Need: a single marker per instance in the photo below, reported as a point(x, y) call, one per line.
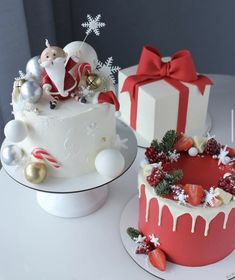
point(151, 68)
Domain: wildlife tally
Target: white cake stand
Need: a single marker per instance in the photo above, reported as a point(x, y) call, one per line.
point(143, 143)
point(224, 269)
point(80, 196)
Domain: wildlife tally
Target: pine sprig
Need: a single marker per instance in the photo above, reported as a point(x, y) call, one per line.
point(133, 233)
point(156, 145)
point(176, 175)
point(164, 187)
point(167, 143)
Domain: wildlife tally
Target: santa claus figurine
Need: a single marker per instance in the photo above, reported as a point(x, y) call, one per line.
point(58, 81)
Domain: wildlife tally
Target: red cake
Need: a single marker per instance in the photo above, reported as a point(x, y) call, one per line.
point(186, 201)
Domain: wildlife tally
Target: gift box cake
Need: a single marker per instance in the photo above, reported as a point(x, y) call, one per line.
point(186, 201)
point(163, 93)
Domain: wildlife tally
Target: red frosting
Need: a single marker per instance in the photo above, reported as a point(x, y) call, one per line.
point(182, 246)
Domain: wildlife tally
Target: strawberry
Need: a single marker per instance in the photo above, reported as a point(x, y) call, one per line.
point(183, 143)
point(231, 152)
point(195, 194)
point(157, 258)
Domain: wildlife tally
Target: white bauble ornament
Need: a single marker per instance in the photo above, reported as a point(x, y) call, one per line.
point(15, 131)
point(109, 163)
point(88, 54)
point(34, 68)
point(193, 151)
point(11, 155)
point(31, 91)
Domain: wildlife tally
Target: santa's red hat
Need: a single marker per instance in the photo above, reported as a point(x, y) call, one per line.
point(109, 97)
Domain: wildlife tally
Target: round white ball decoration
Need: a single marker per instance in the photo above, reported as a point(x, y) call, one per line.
point(31, 91)
point(15, 131)
point(12, 155)
point(34, 68)
point(87, 53)
point(193, 151)
point(109, 163)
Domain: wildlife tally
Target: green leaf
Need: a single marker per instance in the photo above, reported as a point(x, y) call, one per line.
point(133, 233)
point(168, 141)
point(163, 188)
point(155, 145)
point(176, 175)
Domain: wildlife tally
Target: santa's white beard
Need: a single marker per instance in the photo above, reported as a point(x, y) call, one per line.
point(55, 69)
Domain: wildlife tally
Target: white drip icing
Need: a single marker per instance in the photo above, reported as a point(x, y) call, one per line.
point(177, 210)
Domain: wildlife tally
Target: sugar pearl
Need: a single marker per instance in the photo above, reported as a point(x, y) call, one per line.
point(193, 151)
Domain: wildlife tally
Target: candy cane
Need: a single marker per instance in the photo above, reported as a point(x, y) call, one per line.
point(40, 153)
point(83, 69)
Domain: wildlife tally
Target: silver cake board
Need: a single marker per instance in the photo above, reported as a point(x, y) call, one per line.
point(79, 196)
point(224, 269)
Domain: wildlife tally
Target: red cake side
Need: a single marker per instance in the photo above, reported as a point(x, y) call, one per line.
point(192, 236)
point(186, 201)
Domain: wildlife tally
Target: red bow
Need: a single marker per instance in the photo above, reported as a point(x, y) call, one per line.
point(179, 69)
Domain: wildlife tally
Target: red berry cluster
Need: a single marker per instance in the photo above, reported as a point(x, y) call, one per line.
point(154, 156)
point(151, 154)
point(175, 189)
point(155, 177)
point(227, 184)
point(212, 147)
point(145, 247)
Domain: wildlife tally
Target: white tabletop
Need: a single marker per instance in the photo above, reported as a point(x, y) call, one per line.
point(35, 245)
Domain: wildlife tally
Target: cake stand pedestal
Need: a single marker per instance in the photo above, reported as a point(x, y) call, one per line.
point(80, 196)
point(73, 205)
point(223, 269)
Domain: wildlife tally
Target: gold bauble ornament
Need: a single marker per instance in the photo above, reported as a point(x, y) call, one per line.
point(35, 172)
point(94, 81)
point(19, 82)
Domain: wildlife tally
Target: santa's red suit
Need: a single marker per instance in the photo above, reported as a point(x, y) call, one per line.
point(70, 82)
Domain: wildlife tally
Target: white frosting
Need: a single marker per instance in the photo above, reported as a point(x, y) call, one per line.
point(73, 133)
point(177, 210)
point(157, 109)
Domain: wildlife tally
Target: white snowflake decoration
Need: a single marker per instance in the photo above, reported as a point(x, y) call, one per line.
point(223, 156)
point(139, 239)
point(84, 91)
point(93, 24)
point(23, 76)
point(157, 165)
point(119, 143)
point(91, 128)
point(180, 196)
point(208, 136)
point(107, 70)
point(154, 240)
point(209, 197)
point(173, 156)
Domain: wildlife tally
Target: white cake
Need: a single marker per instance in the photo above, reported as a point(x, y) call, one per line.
point(65, 123)
point(73, 134)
